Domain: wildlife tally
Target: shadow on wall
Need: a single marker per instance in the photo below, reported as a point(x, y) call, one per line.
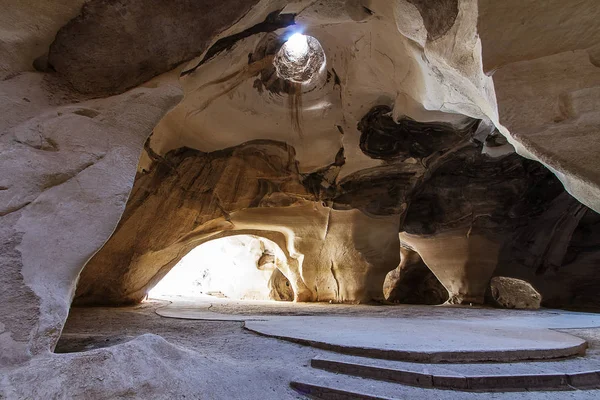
point(559, 254)
point(412, 282)
point(242, 267)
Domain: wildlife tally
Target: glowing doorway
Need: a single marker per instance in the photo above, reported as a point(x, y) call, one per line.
point(242, 267)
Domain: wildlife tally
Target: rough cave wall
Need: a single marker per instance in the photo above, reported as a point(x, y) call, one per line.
point(412, 282)
point(69, 162)
point(557, 253)
point(479, 216)
point(355, 177)
point(544, 58)
point(111, 46)
point(54, 217)
point(544, 61)
point(190, 197)
point(409, 165)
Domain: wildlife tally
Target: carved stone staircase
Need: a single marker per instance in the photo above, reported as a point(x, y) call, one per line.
point(341, 377)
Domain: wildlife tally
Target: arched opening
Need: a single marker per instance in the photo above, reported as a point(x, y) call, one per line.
point(412, 282)
point(300, 60)
point(241, 267)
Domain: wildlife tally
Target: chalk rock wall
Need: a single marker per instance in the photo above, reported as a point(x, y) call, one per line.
point(365, 133)
point(433, 159)
point(544, 59)
point(68, 156)
point(367, 138)
point(190, 197)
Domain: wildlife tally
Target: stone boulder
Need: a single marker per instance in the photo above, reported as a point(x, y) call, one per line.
point(513, 293)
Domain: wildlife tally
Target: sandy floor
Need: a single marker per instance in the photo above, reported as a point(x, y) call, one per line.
point(238, 364)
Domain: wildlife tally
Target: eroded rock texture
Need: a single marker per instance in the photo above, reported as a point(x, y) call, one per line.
point(191, 197)
point(281, 290)
point(545, 69)
point(557, 252)
point(68, 172)
point(115, 45)
point(513, 293)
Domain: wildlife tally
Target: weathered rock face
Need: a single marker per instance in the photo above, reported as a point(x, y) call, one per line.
point(544, 59)
point(138, 40)
point(342, 175)
point(281, 290)
point(459, 218)
point(28, 29)
point(557, 253)
point(513, 293)
point(399, 132)
point(69, 170)
point(191, 197)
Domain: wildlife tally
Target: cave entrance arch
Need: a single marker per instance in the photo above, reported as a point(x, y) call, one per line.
point(239, 267)
point(191, 197)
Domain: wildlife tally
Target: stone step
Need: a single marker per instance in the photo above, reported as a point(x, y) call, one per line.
point(318, 391)
point(330, 386)
point(581, 373)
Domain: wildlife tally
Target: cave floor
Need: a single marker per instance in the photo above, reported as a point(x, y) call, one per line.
point(225, 360)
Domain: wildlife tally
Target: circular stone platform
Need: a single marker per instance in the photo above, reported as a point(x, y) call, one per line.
point(422, 341)
point(432, 335)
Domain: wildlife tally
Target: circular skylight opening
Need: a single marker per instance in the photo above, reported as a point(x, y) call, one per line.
point(300, 59)
point(297, 46)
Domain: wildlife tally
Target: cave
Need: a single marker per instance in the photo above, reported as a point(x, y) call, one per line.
point(265, 199)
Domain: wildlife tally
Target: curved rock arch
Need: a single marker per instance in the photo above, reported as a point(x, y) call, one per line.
point(191, 197)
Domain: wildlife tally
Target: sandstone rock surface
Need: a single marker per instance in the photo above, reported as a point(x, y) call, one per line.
point(544, 60)
point(69, 170)
point(513, 293)
point(112, 46)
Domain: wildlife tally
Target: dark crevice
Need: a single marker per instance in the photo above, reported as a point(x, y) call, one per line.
point(273, 22)
point(385, 139)
point(155, 157)
point(321, 183)
point(87, 112)
point(336, 78)
point(337, 282)
point(14, 209)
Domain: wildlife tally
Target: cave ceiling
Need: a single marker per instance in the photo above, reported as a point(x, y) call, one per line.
point(385, 117)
